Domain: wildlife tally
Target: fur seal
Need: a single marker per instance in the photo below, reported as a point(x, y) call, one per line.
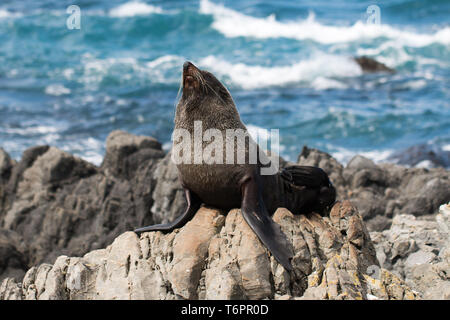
point(301, 189)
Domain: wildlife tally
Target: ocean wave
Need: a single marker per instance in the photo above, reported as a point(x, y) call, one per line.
point(393, 54)
point(160, 70)
point(323, 71)
point(319, 71)
point(134, 8)
point(235, 24)
point(56, 90)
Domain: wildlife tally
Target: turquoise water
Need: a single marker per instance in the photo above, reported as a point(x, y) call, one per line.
point(288, 66)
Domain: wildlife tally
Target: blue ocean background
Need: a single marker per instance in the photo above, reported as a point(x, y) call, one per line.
point(287, 64)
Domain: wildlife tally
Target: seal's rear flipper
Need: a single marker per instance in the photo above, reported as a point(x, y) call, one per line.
point(257, 217)
point(313, 178)
point(194, 204)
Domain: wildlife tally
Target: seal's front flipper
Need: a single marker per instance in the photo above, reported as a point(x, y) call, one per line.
point(258, 218)
point(193, 202)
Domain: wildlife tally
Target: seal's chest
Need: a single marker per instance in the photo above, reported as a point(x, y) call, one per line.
point(208, 175)
point(216, 185)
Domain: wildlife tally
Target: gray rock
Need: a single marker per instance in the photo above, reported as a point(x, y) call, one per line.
point(381, 191)
point(359, 162)
point(218, 257)
point(126, 152)
point(13, 253)
point(417, 250)
point(169, 199)
point(6, 164)
point(370, 65)
point(61, 204)
point(422, 154)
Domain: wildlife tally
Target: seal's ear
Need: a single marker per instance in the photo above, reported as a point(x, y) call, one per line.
point(256, 215)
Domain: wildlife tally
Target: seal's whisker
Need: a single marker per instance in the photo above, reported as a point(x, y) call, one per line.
point(179, 91)
point(215, 92)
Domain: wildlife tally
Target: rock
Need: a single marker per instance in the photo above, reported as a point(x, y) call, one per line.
point(126, 152)
point(360, 162)
point(54, 204)
point(10, 290)
point(169, 199)
point(424, 194)
point(61, 204)
point(218, 257)
point(417, 249)
point(6, 164)
point(371, 65)
point(422, 155)
point(13, 253)
point(381, 191)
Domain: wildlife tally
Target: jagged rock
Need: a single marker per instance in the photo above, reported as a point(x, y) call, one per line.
point(13, 253)
point(416, 250)
point(169, 197)
point(6, 164)
point(382, 191)
point(219, 257)
point(371, 65)
point(422, 155)
point(62, 204)
point(126, 152)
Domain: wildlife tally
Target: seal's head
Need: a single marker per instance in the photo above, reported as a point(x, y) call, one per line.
point(201, 87)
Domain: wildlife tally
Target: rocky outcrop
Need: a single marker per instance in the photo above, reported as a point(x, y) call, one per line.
point(13, 254)
point(383, 191)
point(219, 257)
point(53, 204)
point(61, 204)
point(418, 250)
point(423, 156)
point(168, 195)
point(371, 65)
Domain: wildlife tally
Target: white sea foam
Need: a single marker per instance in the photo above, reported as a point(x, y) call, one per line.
point(8, 14)
point(424, 164)
point(323, 83)
point(88, 149)
point(160, 70)
point(319, 70)
point(134, 8)
point(56, 90)
point(344, 155)
point(32, 130)
point(167, 60)
point(235, 24)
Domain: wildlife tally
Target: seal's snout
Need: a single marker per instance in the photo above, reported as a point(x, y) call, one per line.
point(186, 66)
point(189, 72)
